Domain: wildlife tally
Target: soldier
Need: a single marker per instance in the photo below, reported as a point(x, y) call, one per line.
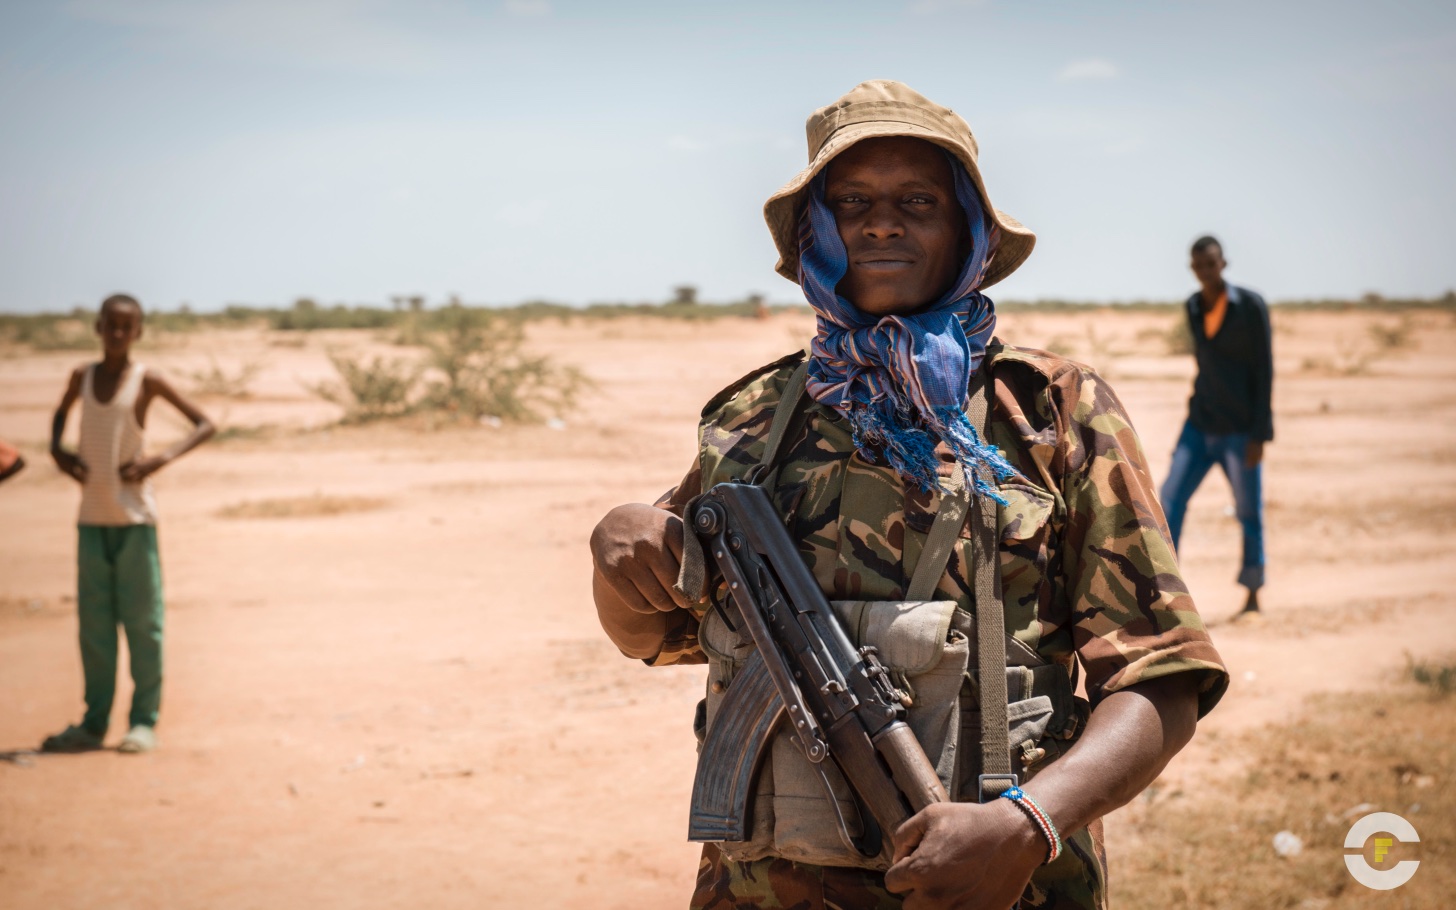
point(891, 235)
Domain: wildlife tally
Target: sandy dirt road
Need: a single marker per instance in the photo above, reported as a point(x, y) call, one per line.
point(410, 703)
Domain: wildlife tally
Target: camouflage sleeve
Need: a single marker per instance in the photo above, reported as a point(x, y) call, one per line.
point(680, 643)
point(677, 499)
point(1133, 617)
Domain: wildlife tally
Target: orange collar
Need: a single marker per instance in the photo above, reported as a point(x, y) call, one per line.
point(1213, 316)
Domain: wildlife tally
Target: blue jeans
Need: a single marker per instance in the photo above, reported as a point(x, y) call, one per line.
point(1195, 456)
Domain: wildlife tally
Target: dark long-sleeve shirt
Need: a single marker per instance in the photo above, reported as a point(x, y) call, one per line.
point(1235, 383)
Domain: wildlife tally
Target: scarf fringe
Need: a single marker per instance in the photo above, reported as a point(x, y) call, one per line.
point(909, 445)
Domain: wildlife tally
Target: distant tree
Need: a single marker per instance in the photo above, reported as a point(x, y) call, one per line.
point(685, 295)
point(760, 306)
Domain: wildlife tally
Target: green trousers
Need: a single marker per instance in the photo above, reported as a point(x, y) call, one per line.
point(119, 582)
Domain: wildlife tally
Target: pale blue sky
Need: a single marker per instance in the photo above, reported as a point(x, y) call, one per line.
point(258, 150)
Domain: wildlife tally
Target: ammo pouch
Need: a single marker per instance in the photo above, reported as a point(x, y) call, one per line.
point(927, 648)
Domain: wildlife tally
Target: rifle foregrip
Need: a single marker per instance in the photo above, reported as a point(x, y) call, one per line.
point(734, 749)
point(913, 773)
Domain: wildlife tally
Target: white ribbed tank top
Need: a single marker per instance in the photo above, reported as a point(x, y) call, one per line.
point(110, 437)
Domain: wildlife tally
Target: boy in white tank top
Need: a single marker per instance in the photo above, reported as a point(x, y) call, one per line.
point(119, 574)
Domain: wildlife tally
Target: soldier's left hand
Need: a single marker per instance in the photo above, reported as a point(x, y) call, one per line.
point(965, 855)
point(137, 471)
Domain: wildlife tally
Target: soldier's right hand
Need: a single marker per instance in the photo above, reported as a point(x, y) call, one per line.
point(636, 550)
point(70, 463)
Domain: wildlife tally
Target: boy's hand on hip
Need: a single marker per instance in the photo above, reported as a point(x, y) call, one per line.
point(637, 549)
point(70, 463)
point(137, 471)
point(965, 855)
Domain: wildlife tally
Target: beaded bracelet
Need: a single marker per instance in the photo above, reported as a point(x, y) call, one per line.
point(1038, 816)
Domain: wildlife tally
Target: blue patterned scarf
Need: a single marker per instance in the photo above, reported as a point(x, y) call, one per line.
point(903, 380)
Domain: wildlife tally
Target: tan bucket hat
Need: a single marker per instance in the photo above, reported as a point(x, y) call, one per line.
point(882, 107)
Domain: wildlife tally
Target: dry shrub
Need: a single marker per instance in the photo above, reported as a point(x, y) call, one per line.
point(370, 390)
point(220, 383)
point(54, 333)
point(485, 372)
point(1178, 340)
point(1103, 352)
point(1350, 358)
point(1392, 751)
point(306, 315)
point(1175, 340)
point(476, 367)
point(1389, 337)
point(231, 432)
point(317, 505)
point(1355, 357)
point(1062, 345)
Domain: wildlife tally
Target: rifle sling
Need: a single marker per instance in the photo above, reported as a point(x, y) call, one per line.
point(996, 774)
point(990, 616)
point(692, 575)
point(783, 416)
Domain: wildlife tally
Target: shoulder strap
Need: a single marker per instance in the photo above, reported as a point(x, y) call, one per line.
point(951, 517)
point(930, 568)
point(135, 377)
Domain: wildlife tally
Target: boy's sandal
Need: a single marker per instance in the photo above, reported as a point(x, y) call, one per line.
point(140, 738)
point(72, 739)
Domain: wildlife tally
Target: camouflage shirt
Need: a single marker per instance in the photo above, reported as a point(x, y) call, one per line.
point(1088, 569)
point(1087, 565)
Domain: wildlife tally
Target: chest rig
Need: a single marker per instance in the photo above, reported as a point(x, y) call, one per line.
point(985, 708)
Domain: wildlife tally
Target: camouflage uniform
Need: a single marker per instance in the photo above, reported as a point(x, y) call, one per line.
point(1088, 570)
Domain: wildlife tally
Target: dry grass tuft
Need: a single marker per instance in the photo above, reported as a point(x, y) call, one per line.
point(1438, 676)
point(316, 506)
point(1392, 751)
point(15, 606)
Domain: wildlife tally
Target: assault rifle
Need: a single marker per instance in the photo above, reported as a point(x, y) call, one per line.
point(838, 700)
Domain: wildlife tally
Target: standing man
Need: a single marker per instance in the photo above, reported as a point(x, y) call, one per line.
point(119, 573)
point(890, 233)
point(1230, 416)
